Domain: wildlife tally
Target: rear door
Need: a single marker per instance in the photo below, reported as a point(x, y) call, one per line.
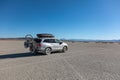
point(51, 43)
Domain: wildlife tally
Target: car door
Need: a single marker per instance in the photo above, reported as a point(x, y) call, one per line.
point(59, 45)
point(50, 43)
point(53, 44)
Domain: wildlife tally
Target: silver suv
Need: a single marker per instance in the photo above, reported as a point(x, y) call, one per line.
point(45, 45)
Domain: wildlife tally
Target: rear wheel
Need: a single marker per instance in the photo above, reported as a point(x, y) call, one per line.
point(48, 51)
point(64, 49)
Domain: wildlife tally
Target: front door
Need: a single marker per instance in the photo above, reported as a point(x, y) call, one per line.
point(58, 44)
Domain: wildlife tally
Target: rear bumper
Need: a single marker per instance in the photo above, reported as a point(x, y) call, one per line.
point(40, 49)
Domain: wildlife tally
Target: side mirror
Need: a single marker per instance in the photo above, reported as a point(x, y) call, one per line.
point(60, 42)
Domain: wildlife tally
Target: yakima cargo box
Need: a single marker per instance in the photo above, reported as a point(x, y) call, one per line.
point(45, 35)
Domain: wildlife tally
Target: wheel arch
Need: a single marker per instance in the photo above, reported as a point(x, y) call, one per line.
point(49, 47)
point(66, 47)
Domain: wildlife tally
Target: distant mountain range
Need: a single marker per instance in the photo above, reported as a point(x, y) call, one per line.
point(13, 38)
point(74, 40)
point(90, 40)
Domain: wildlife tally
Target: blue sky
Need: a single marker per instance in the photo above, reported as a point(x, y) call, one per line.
point(70, 19)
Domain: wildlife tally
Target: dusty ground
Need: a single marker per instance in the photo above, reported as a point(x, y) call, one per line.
point(83, 61)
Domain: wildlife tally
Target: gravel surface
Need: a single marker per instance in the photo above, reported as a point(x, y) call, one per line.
point(83, 61)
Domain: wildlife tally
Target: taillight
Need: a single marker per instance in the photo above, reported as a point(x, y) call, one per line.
point(39, 45)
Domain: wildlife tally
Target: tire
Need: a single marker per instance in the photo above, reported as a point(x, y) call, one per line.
point(29, 38)
point(48, 51)
point(26, 45)
point(64, 49)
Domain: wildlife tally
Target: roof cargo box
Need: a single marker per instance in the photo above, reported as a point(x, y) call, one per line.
point(45, 35)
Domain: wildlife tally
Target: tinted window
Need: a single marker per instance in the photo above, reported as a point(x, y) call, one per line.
point(46, 40)
point(57, 41)
point(49, 40)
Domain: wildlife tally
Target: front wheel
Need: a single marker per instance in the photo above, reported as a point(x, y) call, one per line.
point(64, 49)
point(48, 51)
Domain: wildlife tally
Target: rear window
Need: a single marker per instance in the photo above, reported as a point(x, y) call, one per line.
point(37, 40)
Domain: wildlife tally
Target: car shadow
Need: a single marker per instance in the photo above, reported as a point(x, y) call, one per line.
point(19, 55)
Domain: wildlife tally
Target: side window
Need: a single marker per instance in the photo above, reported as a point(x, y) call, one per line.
point(57, 41)
point(49, 40)
point(46, 40)
point(52, 41)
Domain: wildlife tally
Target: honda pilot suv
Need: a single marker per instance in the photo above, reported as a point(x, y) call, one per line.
point(45, 45)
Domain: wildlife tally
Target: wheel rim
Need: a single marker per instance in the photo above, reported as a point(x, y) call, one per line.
point(65, 49)
point(48, 51)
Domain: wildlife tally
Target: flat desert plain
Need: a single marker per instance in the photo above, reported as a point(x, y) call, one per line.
point(83, 61)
